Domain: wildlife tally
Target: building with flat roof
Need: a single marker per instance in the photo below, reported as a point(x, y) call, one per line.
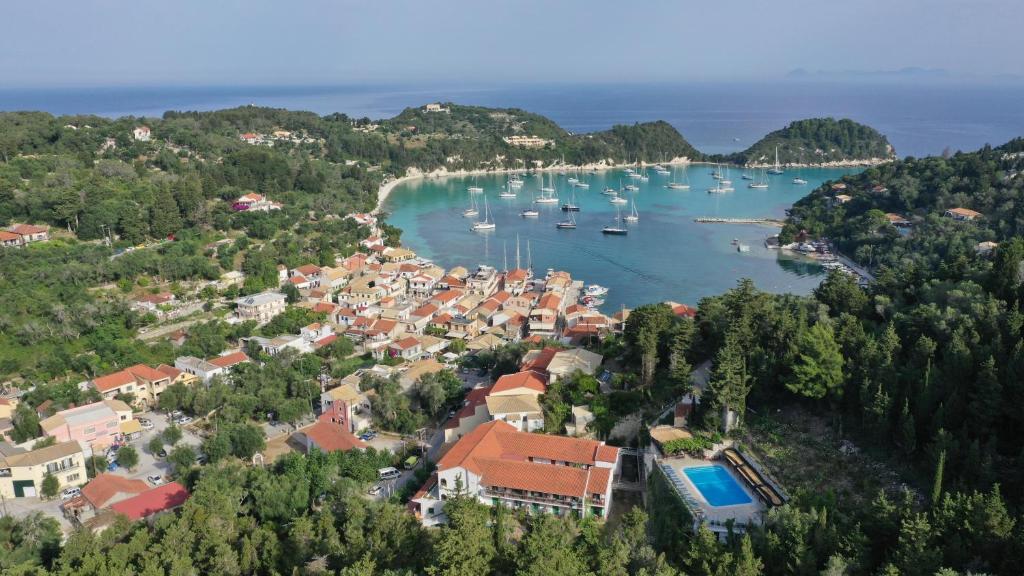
point(260, 307)
point(97, 425)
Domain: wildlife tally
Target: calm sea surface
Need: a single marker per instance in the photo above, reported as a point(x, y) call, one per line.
point(665, 256)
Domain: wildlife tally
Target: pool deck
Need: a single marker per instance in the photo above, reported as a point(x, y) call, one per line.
point(718, 515)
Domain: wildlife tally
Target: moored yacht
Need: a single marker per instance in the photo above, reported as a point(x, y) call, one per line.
point(487, 223)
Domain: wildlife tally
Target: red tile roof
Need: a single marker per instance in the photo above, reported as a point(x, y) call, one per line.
point(517, 275)
point(112, 381)
point(308, 269)
point(170, 371)
point(166, 497)
point(28, 229)
point(325, 341)
point(549, 301)
point(6, 236)
point(229, 360)
point(525, 379)
point(501, 455)
point(475, 397)
point(405, 343)
point(424, 311)
point(325, 307)
point(106, 486)
point(540, 361)
point(330, 437)
point(146, 373)
point(684, 310)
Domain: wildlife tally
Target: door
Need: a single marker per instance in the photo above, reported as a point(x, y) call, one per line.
point(24, 488)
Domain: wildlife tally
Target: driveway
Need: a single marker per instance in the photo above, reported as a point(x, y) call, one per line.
point(22, 507)
point(149, 463)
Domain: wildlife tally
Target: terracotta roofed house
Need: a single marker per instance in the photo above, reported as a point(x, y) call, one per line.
point(498, 464)
point(144, 383)
point(151, 502)
point(961, 214)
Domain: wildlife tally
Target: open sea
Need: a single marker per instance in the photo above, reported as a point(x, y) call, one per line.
point(666, 256)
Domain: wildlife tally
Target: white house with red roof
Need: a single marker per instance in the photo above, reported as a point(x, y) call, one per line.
point(255, 202)
point(29, 233)
point(538, 473)
point(141, 133)
point(515, 399)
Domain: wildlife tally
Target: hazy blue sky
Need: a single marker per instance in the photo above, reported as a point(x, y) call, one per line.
point(100, 42)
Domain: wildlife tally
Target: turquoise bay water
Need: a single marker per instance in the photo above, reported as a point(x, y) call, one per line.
point(665, 256)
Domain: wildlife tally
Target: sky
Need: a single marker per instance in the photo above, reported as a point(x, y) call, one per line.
point(324, 42)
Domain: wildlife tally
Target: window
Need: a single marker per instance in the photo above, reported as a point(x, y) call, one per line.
point(129, 388)
point(72, 477)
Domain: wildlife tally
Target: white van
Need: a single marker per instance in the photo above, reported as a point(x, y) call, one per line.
point(389, 473)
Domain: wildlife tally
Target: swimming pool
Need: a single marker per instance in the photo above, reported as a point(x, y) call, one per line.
point(716, 485)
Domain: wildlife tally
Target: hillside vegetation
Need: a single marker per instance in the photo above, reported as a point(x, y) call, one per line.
point(817, 141)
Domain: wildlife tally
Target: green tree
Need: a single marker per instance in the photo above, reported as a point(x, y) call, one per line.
point(128, 457)
point(26, 423)
point(182, 458)
point(155, 445)
point(165, 217)
point(51, 485)
point(819, 368)
point(940, 467)
point(465, 547)
point(172, 434)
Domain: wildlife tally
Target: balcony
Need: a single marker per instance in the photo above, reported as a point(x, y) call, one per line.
point(522, 496)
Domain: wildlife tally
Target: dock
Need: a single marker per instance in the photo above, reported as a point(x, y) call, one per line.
point(763, 221)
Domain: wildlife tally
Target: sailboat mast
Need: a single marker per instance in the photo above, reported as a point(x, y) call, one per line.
point(517, 252)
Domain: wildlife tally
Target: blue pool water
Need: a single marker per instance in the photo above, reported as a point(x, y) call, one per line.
point(716, 485)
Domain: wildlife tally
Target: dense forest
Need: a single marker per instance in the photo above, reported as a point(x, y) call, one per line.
point(816, 141)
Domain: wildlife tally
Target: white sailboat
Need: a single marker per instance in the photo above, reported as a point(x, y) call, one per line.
point(633, 216)
point(760, 182)
point(724, 180)
point(684, 185)
point(567, 224)
point(475, 188)
point(487, 223)
point(547, 188)
point(618, 200)
point(776, 169)
point(718, 189)
point(472, 210)
point(507, 193)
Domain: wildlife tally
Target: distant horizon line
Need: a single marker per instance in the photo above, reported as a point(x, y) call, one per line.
point(795, 76)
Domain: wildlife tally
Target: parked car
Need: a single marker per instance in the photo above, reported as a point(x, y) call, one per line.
point(389, 473)
point(375, 489)
point(162, 453)
point(410, 462)
point(146, 423)
point(176, 414)
point(182, 420)
point(155, 479)
point(69, 493)
point(200, 459)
